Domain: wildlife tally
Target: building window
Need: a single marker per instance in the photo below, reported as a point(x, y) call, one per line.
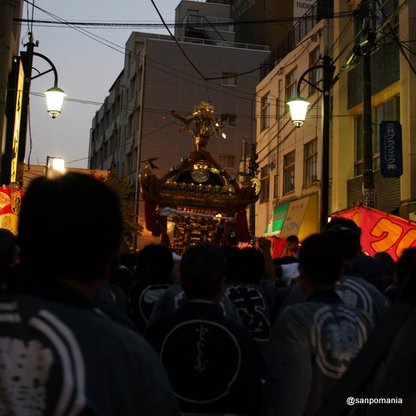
point(229, 78)
point(277, 109)
point(359, 145)
point(265, 184)
point(386, 13)
point(132, 88)
point(106, 150)
point(134, 160)
point(130, 125)
point(290, 86)
point(314, 75)
point(100, 156)
point(289, 172)
point(389, 111)
point(226, 161)
point(265, 112)
point(228, 119)
point(129, 162)
point(310, 160)
point(275, 186)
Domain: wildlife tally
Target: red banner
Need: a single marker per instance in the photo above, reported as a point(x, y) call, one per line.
point(10, 199)
point(381, 231)
point(5, 203)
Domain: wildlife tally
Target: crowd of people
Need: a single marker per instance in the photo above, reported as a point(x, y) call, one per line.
point(216, 331)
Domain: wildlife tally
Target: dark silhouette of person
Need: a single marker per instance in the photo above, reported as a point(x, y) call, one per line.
point(58, 353)
point(153, 276)
point(313, 342)
point(252, 293)
point(352, 289)
point(213, 364)
point(8, 252)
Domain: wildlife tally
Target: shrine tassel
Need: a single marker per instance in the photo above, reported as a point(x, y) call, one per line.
point(241, 226)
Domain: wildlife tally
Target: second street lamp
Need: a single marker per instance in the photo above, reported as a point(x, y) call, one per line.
point(298, 109)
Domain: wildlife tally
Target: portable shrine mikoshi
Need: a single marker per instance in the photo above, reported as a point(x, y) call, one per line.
point(199, 197)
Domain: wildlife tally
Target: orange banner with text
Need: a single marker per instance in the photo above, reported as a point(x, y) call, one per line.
point(381, 231)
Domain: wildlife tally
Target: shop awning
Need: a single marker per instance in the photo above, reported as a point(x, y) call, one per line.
point(301, 218)
point(276, 222)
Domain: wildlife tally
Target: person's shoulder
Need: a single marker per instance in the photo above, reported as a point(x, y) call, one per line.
point(347, 279)
point(357, 283)
point(81, 321)
point(296, 312)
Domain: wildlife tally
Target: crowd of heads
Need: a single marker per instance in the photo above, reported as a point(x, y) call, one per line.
point(70, 229)
point(71, 225)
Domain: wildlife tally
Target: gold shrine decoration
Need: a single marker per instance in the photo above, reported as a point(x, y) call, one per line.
point(202, 124)
point(165, 212)
point(198, 196)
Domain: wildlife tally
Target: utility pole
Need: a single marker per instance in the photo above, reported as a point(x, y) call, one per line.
point(328, 80)
point(252, 169)
point(369, 192)
point(298, 108)
point(27, 61)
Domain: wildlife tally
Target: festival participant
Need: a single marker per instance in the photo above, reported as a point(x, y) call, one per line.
point(313, 342)
point(213, 364)
point(292, 242)
point(292, 247)
point(153, 276)
point(58, 354)
point(380, 381)
point(352, 289)
point(249, 289)
point(8, 251)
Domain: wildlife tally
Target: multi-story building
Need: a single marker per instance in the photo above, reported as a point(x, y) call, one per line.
point(160, 75)
point(290, 158)
point(393, 90)
point(266, 21)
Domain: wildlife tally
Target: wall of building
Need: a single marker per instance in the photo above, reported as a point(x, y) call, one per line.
point(158, 79)
point(391, 76)
point(282, 137)
point(204, 20)
point(407, 21)
point(9, 46)
point(269, 33)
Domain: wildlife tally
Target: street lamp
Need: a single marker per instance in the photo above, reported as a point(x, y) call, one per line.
point(298, 109)
point(55, 166)
point(54, 98)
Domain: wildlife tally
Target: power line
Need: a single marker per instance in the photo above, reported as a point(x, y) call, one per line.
point(122, 50)
point(129, 25)
point(395, 38)
point(177, 43)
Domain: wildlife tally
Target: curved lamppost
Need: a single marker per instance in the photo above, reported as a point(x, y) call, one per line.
point(54, 98)
point(54, 95)
point(298, 108)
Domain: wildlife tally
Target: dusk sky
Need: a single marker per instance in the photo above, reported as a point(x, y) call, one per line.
point(86, 68)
